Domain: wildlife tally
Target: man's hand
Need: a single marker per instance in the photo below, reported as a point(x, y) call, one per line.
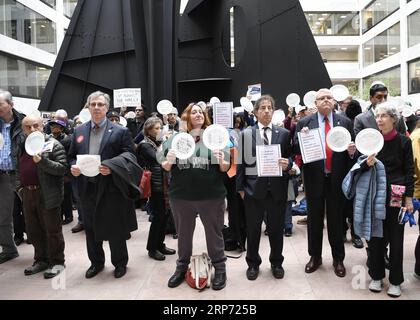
point(371, 160)
point(105, 171)
point(304, 130)
point(75, 171)
point(37, 158)
point(171, 157)
point(283, 163)
point(242, 194)
point(351, 149)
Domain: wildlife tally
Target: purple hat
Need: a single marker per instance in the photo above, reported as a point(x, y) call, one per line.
point(61, 123)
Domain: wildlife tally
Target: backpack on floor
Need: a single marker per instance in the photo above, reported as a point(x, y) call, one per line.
point(198, 275)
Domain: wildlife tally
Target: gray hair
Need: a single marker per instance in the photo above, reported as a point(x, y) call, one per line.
point(6, 96)
point(264, 98)
point(99, 94)
point(150, 123)
point(61, 113)
point(390, 110)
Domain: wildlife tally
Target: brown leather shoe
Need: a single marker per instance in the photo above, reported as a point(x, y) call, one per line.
point(339, 268)
point(313, 264)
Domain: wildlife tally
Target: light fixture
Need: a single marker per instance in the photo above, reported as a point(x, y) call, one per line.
point(321, 19)
point(343, 17)
point(378, 4)
point(344, 48)
point(325, 14)
point(318, 23)
point(42, 26)
point(394, 48)
point(367, 48)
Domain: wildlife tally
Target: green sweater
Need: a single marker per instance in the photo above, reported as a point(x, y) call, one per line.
point(197, 178)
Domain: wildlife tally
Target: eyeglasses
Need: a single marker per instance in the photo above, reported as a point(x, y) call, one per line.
point(99, 104)
point(139, 110)
point(325, 98)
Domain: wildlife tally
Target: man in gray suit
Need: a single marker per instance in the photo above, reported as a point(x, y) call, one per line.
point(378, 94)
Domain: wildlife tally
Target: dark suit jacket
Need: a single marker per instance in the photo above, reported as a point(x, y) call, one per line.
point(246, 175)
point(111, 221)
point(314, 171)
point(367, 120)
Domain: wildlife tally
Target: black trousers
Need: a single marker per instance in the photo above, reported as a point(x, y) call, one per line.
point(118, 246)
point(417, 255)
point(236, 211)
point(18, 218)
point(317, 206)
point(394, 233)
point(67, 204)
point(254, 213)
point(157, 229)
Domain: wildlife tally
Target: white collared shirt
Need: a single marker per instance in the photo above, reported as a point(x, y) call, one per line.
point(269, 131)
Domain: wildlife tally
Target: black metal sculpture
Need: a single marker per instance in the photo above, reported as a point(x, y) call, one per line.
point(113, 44)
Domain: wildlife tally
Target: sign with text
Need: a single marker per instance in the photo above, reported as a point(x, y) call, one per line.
point(223, 114)
point(311, 146)
point(128, 97)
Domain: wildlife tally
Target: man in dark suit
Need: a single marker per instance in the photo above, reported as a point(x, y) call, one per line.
point(322, 181)
point(101, 137)
point(263, 194)
point(378, 94)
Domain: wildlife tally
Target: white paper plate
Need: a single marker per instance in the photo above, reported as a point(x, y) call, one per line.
point(89, 164)
point(184, 145)
point(123, 121)
point(215, 137)
point(164, 107)
point(309, 99)
point(84, 115)
point(338, 139)
point(238, 109)
point(247, 104)
point(214, 100)
point(34, 143)
point(340, 92)
point(202, 105)
point(278, 116)
point(130, 115)
point(1, 141)
point(407, 111)
point(369, 141)
point(292, 100)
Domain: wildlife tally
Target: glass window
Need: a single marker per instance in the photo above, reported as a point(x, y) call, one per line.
point(352, 85)
point(69, 6)
point(333, 23)
point(414, 76)
point(21, 23)
point(391, 78)
point(414, 28)
point(382, 46)
point(339, 54)
point(51, 3)
point(376, 11)
point(21, 78)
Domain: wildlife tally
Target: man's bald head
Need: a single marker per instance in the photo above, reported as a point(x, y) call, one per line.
point(32, 123)
point(324, 101)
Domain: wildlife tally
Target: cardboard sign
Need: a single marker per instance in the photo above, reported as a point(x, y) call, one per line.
point(129, 97)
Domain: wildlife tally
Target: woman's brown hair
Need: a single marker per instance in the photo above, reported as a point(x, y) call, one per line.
point(186, 115)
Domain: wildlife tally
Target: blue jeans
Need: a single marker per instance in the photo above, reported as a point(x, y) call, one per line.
point(288, 224)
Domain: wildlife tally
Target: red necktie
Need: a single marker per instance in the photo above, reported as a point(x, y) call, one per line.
point(327, 148)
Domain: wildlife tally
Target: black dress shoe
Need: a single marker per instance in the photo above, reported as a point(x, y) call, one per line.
point(77, 228)
point(252, 273)
point(288, 232)
point(157, 255)
point(4, 257)
point(54, 271)
point(177, 278)
point(358, 243)
point(38, 266)
point(120, 271)
point(167, 251)
point(313, 264)
point(18, 241)
point(93, 271)
point(339, 269)
point(219, 281)
point(278, 271)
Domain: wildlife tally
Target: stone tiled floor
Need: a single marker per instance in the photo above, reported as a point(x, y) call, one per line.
point(146, 279)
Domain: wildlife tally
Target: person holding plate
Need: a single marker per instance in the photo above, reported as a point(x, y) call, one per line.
point(100, 193)
point(322, 180)
point(397, 158)
point(196, 186)
point(263, 194)
point(40, 183)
